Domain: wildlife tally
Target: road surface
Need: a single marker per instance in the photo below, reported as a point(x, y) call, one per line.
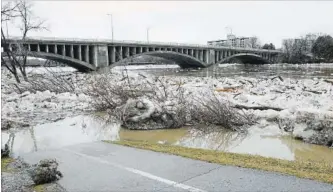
point(105, 167)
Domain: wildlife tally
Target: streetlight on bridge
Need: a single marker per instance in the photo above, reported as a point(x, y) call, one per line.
point(148, 34)
point(111, 24)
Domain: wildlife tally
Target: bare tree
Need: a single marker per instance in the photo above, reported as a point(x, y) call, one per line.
point(17, 53)
point(8, 12)
point(298, 50)
point(254, 43)
point(287, 48)
point(28, 23)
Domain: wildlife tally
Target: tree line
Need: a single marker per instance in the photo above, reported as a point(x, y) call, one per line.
point(311, 48)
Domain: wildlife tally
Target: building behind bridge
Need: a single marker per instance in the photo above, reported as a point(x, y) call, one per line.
point(233, 41)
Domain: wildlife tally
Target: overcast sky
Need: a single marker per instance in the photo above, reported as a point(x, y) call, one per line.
point(183, 21)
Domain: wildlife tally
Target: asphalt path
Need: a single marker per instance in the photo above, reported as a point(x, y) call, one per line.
point(108, 167)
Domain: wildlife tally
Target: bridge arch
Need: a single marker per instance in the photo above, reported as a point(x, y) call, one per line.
point(81, 66)
point(183, 60)
point(246, 58)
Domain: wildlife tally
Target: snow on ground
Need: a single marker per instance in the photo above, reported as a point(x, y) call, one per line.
point(40, 107)
point(41, 70)
point(289, 94)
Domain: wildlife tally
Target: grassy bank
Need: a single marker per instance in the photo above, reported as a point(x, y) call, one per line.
point(4, 164)
point(310, 170)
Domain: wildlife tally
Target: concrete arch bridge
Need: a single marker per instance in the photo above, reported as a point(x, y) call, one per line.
point(89, 55)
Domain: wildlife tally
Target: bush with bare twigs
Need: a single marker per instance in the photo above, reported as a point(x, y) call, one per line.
point(142, 102)
point(54, 80)
point(211, 109)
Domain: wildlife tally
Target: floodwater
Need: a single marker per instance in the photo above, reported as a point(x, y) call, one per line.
point(267, 142)
point(299, 71)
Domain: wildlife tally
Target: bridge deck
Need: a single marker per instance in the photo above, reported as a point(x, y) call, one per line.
point(130, 42)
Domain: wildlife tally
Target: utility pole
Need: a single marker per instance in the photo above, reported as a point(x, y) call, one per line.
point(230, 30)
point(148, 34)
point(7, 28)
point(111, 24)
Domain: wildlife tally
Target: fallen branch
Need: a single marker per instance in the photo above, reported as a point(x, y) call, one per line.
point(241, 81)
point(236, 95)
point(312, 91)
point(289, 87)
point(328, 81)
point(277, 77)
point(226, 89)
point(277, 91)
point(257, 107)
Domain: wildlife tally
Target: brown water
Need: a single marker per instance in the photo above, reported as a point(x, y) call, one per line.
point(267, 142)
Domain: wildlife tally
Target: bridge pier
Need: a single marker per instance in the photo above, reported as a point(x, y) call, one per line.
point(211, 56)
point(55, 49)
point(127, 52)
point(201, 55)
point(63, 51)
point(86, 53)
point(112, 55)
point(101, 56)
point(120, 53)
point(80, 52)
point(71, 53)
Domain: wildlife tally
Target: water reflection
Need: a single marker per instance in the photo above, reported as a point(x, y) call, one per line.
point(267, 142)
point(70, 131)
point(304, 151)
point(216, 140)
point(165, 136)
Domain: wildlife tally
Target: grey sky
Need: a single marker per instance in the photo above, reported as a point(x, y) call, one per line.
point(186, 21)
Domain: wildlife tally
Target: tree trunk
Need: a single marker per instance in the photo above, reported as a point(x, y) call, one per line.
point(17, 78)
point(24, 74)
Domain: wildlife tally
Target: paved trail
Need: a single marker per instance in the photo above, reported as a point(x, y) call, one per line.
point(106, 167)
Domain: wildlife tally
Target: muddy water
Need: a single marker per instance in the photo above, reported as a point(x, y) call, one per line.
point(267, 142)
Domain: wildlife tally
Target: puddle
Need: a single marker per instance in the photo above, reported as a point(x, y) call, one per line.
point(70, 131)
point(267, 142)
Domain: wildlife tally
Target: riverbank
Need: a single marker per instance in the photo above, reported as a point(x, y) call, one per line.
point(15, 178)
point(44, 115)
point(309, 170)
point(300, 107)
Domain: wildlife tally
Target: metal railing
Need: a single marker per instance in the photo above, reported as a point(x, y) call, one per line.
point(36, 38)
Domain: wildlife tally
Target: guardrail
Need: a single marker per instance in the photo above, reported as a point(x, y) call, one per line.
point(138, 42)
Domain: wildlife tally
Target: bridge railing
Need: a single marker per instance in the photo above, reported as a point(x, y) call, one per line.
point(36, 38)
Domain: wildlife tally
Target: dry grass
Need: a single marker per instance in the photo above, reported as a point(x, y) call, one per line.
point(310, 170)
point(4, 164)
point(40, 188)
